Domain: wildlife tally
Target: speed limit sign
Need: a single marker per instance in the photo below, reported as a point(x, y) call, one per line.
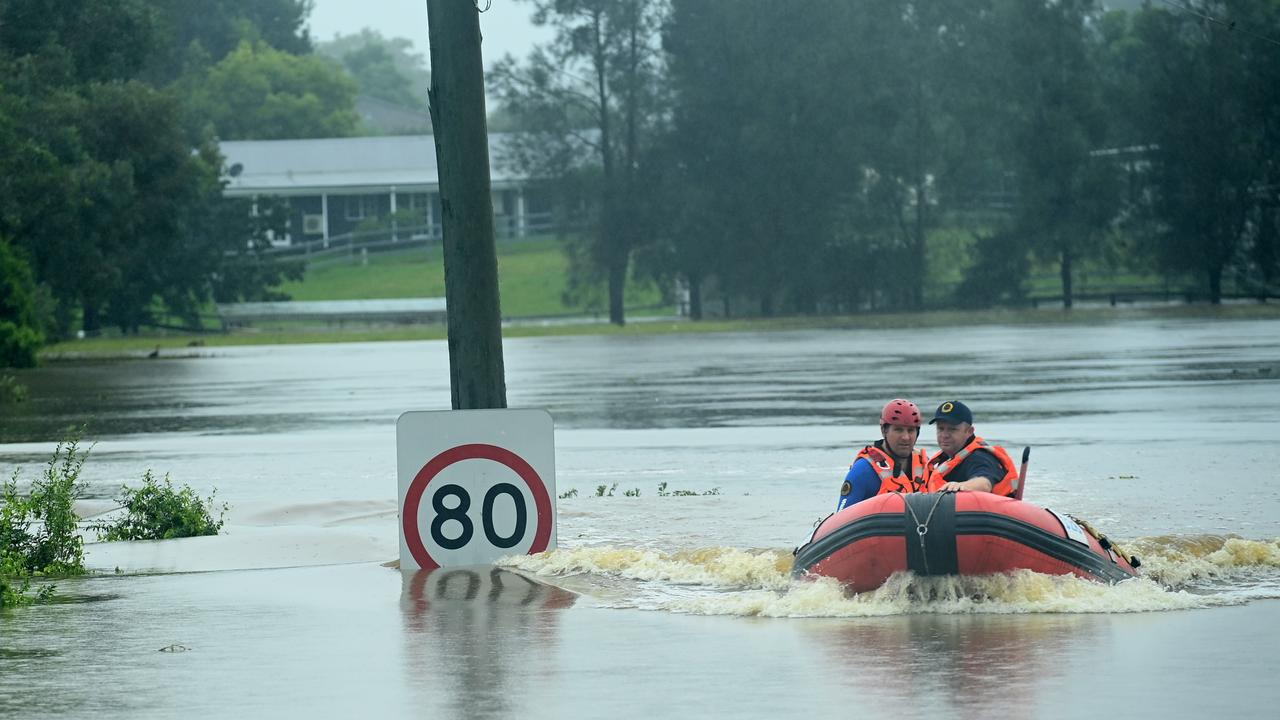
point(475, 485)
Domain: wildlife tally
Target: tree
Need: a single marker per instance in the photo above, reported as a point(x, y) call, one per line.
point(259, 93)
point(927, 117)
point(88, 40)
point(383, 68)
point(143, 219)
point(1069, 195)
point(999, 270)
point(768, 133)
point(101, 190)
point(188, 39)
point(105, 201)
point(20, 335)
point(685, 242)
point(1262, 65)
point(1211, 179)
point(589, 102)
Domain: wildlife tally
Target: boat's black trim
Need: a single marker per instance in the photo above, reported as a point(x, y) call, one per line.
point(940, 548)
point(882, 524)
point(1037, 538)
point(932, 518)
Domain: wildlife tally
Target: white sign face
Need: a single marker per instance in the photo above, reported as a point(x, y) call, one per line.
point(1072, 528)
point(475, 485)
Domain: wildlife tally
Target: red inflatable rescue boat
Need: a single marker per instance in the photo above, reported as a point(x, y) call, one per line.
point(966, 533)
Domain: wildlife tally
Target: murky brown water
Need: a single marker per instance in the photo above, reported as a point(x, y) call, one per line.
point(1160, 431)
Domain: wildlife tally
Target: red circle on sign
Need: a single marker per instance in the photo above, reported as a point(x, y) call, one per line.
point(474, 451)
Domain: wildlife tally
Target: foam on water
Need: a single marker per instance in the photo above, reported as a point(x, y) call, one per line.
point(1019, 592)
point(712, 567)
point(1178, 561)
point(732, 581)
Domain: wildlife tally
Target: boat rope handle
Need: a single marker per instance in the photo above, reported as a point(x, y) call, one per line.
point(816, 524)
point(922, 528)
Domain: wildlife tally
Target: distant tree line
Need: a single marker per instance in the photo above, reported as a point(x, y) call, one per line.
point(812, 157)
point(771, 157)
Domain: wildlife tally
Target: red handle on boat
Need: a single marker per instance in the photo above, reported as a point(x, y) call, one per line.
point(1022, 474)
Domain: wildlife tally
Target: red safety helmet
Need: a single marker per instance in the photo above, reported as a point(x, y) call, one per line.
point(900, 412)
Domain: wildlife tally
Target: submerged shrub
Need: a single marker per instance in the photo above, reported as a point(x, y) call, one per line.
point(38, 533)
point(11, 391)
point(18, 345)
point(158, 511)
point(20, 317)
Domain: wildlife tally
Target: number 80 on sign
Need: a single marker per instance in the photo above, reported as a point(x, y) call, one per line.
point(471, 503)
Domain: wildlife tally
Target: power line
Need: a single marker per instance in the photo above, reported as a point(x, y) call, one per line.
point(1228, 25)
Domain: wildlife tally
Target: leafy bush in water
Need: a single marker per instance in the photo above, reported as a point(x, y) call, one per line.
point(18, 345)
point(157, 511)
point(20, 336)
point(11, 391)
point(38, 535)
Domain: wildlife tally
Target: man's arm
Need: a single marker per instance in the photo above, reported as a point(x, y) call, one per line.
point(978, 484)
point(981, 468)
point(860, 483)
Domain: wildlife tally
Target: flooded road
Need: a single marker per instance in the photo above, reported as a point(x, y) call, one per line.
point(1160, 431)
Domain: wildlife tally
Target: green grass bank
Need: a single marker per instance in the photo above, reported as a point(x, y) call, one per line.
point(188, 345)
point(532, 279)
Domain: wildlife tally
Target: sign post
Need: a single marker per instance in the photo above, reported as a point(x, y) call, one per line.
point(475, 485)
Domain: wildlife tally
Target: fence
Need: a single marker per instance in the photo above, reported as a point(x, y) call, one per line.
point(347, 246)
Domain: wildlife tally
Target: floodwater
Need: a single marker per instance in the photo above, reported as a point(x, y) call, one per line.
point(1160, 431)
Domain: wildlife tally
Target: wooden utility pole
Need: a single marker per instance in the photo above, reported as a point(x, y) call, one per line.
point(462, 157)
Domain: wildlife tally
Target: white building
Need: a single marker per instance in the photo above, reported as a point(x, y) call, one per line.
point(336, 186)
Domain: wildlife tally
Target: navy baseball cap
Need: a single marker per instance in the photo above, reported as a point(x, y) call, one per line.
point(954, 412)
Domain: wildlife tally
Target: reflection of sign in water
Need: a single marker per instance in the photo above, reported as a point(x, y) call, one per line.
point(484, 585)
point(478, 640)
point(475, 485)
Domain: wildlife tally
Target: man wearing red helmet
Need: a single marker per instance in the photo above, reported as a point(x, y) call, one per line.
point(966, 461)
point(891, 464)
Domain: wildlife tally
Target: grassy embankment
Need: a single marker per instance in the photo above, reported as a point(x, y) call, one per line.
point(532, 276)
point(178, 345)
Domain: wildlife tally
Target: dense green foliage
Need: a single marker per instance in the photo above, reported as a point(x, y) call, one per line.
point(1053, 111)
point(806, 157)
point(384, 68)
point(158, 511)
point(770, 157)
point(110, 188)
point(189, 36)
point(20, 323)
point(259, 93)
point(1211, 101)
point(589, 108)
point(38, 532)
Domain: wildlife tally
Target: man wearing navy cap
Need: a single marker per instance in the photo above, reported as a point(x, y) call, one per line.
point(966, 461)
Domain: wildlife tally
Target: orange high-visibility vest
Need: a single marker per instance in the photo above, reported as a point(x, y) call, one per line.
point(940, 466)
point(882, 463)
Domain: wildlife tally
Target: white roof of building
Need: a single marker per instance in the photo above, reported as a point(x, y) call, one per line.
point(343, 165)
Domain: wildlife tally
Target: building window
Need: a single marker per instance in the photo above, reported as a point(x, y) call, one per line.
point(359, 207)
point(413, 201)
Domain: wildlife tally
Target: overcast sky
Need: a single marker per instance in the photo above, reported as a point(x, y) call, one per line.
point(505, 26)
